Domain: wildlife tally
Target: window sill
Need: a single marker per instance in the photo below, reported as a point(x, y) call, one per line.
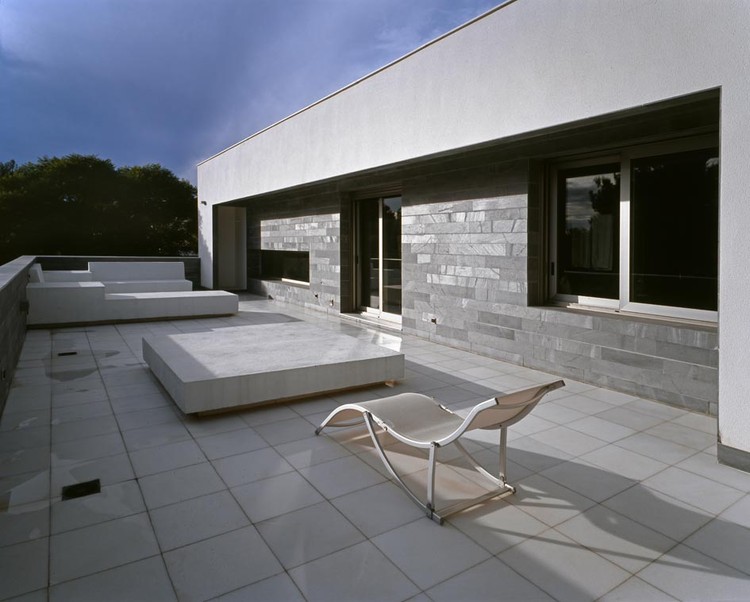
point(708, 326)
point(287, 281)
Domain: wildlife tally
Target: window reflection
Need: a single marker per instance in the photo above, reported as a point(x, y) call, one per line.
point(588, 231)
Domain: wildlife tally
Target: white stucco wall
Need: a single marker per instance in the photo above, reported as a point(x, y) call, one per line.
point(530, 65)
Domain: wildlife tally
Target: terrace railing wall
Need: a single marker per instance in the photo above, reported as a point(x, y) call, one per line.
point(14, 276)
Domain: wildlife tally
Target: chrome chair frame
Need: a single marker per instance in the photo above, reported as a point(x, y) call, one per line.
point(421, 422)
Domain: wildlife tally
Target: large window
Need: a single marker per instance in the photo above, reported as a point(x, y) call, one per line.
point(638, 231)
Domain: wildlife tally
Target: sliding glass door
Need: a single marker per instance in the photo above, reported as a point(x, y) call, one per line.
point(378, 256)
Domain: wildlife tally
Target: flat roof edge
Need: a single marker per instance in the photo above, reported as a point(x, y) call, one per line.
point(361, 79)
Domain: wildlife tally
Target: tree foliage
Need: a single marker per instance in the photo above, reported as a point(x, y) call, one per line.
point(84, 205)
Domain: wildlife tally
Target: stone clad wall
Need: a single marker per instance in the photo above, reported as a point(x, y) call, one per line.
point(305, 224)
point(471, 241)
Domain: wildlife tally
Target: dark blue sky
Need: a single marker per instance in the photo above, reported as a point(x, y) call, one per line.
point(175, 81)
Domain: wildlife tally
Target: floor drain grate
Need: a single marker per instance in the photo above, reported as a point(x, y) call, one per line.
point(70, 492)
point(61, 353)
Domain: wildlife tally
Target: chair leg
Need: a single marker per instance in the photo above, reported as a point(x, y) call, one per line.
point(503, 452)
point(431, 480)
point(429, 510)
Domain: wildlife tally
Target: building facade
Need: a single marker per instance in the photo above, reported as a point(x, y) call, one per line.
point(558, 184)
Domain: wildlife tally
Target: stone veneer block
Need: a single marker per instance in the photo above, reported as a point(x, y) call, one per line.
point(235, 367)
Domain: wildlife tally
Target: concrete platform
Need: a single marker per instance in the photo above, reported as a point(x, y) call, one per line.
point(243, 366)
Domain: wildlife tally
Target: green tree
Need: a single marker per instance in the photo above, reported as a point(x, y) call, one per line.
point(84, 205)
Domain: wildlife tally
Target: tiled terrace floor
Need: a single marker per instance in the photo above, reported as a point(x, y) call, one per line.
point(618, 498)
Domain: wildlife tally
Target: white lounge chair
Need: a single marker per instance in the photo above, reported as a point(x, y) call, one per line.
point(421, 422)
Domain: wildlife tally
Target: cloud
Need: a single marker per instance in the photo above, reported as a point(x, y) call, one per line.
point(175, 81)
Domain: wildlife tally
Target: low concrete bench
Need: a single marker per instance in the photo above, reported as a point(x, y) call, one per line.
point(54, 303)
point(230, 368)
point(173, 304)
point(71, 297)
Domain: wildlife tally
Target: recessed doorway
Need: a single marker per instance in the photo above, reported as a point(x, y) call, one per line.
point(377, 258)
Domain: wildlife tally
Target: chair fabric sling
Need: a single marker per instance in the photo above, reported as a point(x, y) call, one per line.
point(421, 422)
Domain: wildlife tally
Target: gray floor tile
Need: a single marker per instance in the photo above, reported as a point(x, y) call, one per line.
point(318, 531)
point(89, 550)
point(311, 451)
point(560, 567)
point(682, 435)
point(33, 437)
point(109, 470)
point(659, 512)
point(378, 509)
point(568, 440)
point(153, 436)
point(689, 575)
point(180, 484)
point(637, 421)
point(141, 580)
point(199, 518)
point(700, 422)
point(360, 572)
point(601, 428)
point(636, 590)
point(90, 448)
point(725, 541)
point(284, 431)
point(25, 488)
point(144, 418)
point(274, 496)
point(706, 465)
point(497, 525)
point(341, 476)
point(251, 466)
point(113, 501)
point(624, 542)
point(22, 461)
point(490, 580)
point(161, 458)
point(23, 567)
point(625, 463)
point(705, 494)
point(738, 513)
point(588, 479)
point(547, 501)
point(279, 588)
point(429, 553)
point(534, 455)
point(86, 427)
point(24, 522)
point(219, 565)
point(213, 425)
point(231, 443)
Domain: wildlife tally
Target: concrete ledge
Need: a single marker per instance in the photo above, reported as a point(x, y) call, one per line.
point(237, 367)
point(137, 270)
point(147, 286)
point(66, 276)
